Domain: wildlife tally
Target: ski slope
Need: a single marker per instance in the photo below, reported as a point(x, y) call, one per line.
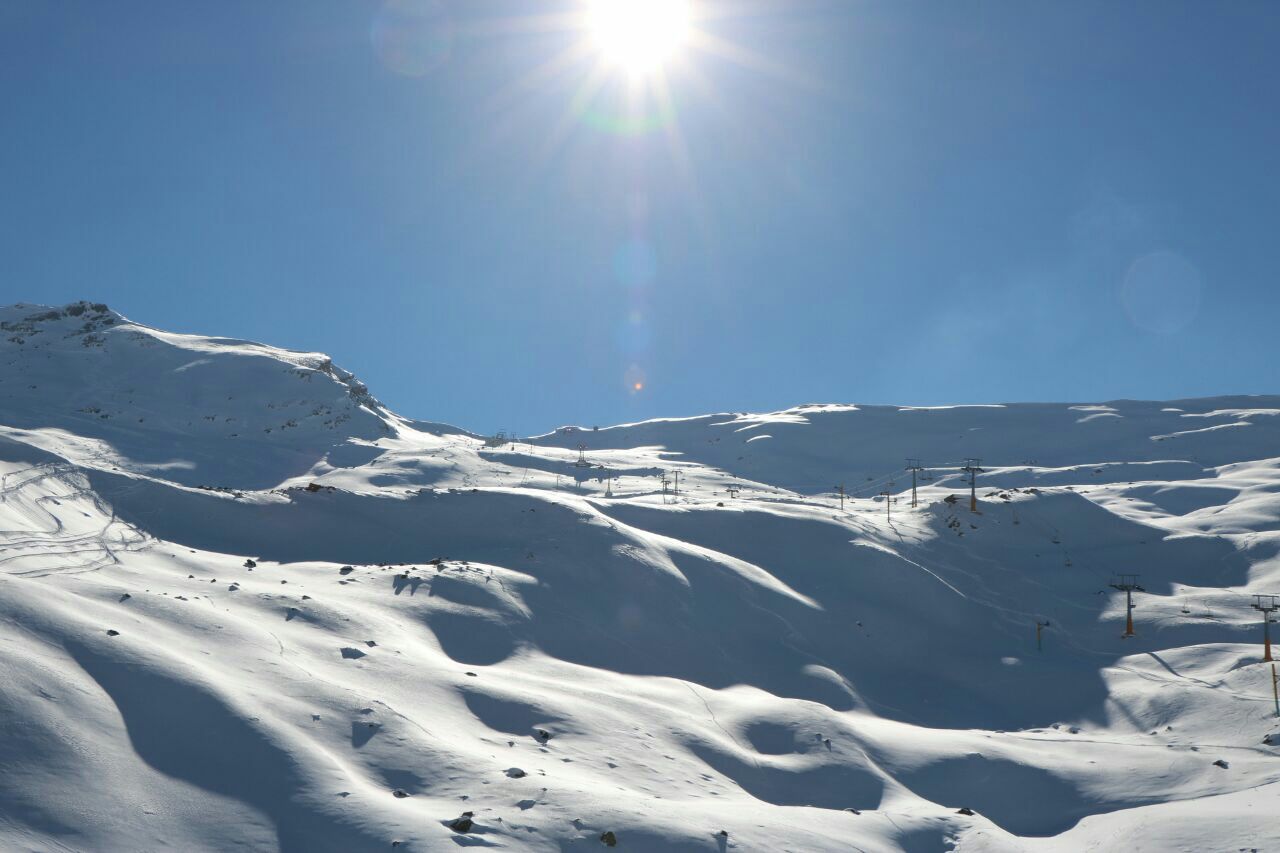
point(244, 606)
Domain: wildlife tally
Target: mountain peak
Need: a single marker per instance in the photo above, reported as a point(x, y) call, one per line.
point(203, 409)
point(23, 319)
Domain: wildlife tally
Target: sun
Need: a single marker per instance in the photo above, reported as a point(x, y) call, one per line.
point(639, 36)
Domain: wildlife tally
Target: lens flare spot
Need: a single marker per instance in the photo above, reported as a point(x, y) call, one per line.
point(412, 37)
point(634, 122)
point(634, 336)
point(634, 263)
point(635, 380)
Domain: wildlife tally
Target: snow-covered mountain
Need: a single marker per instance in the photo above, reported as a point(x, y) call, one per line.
point(245, 606)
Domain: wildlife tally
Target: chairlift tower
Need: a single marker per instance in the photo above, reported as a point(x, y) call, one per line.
point(971, 468)
point(888, 500)
point(582, 457)
point(1040, 626)
point(1128, 584)
point(913, 465)
point(1266, 604)
point(840, 490)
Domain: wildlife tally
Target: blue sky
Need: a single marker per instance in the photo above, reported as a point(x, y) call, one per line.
point(896, 202)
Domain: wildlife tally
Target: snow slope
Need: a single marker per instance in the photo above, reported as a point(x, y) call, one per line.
point(244, 606)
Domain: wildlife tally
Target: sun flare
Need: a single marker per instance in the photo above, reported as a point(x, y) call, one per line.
point(640, 36)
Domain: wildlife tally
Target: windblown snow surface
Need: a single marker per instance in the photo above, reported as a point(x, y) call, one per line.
point(243, 606)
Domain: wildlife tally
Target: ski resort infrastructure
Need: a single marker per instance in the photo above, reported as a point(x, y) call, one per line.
point(244, 606)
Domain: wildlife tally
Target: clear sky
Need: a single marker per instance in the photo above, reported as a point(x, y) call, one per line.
point(494, 221)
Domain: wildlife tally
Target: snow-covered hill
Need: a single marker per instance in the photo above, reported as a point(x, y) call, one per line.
point(191, 409)
point(244, 606)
